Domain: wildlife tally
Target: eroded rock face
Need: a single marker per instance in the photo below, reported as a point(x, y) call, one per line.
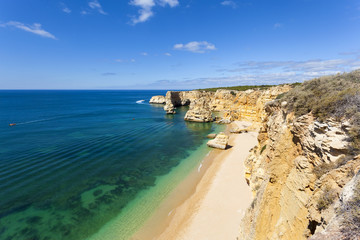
point(159, 99)
point(327, 141)
point(175, 99)
point(199, 111)
point(221, 140)
point(235, 105)
point(246, 105)
point(280, 172)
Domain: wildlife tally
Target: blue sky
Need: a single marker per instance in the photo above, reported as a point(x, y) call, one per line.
point(174, 44)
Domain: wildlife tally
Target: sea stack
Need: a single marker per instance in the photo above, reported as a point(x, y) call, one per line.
point(159, 99)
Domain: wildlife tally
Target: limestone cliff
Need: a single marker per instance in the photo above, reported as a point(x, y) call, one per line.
point(294, 195)
point(199, 111)
point(175, 99)
point(234, 105)
point(159, 99)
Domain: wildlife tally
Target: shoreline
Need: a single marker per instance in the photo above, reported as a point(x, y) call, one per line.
point(210, 208)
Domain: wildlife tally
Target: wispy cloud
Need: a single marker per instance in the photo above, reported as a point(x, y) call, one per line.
point(196, 47)
point(64, 8)
point(34, 28)
point(146, 8)
point(108, 74)
point(144, 53)
point(125, 60)
point(229, 3)
point(95, 5)
point(318, 65)
point(167, 54)
point(266, 72)
point(278, 25)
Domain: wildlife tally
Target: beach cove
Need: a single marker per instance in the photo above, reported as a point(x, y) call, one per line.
point(217, 204)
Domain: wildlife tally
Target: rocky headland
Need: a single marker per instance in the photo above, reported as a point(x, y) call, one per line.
point(304, 173)
point(159, 99)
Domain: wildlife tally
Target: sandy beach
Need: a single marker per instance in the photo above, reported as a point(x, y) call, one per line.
point(215, 208)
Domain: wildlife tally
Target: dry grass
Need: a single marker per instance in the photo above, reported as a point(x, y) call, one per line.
point(350, 213)
point(335, 96)
point(326, 199)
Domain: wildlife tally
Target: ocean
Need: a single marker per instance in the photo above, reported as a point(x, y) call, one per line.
point(90, 164)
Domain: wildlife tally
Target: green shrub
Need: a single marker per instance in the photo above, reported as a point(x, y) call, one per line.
point(238, 88)
point(262, 149)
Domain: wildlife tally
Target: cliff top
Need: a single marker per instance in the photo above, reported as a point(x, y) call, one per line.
point(246, 87)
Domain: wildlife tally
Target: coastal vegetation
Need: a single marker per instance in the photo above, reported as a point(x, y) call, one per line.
point(336, 96)
point(350, 213)
point(247, 87)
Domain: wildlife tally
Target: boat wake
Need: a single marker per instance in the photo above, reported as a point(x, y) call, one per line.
point(33, 121)
point(140, 102)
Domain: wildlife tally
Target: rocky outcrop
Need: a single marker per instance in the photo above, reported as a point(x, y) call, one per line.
point(221, 140)
point(175, 99)
point(294, 195)
point(199, 111)
point(159, 99)
point(234, 105)
point(245, 105)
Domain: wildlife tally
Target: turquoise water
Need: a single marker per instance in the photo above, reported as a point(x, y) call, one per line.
point(78, 162)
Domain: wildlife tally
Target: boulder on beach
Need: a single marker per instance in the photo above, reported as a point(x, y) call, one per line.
point(238, 130)
point(220, 141)
point(159, 99)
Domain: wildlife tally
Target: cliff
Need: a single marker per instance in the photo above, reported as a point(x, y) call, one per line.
point(159, 99)
point(304, 172)
point(294, 196)
point(232, 105)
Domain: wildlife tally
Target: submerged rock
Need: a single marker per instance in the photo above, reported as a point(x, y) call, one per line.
point(220, 141)
point(159, 99)
point(211, 135)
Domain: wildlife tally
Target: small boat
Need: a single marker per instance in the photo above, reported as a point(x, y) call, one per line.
point(12, 124)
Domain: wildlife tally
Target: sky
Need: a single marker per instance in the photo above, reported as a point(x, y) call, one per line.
point(174, 44)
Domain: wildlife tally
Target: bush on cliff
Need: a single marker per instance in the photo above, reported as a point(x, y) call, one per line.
point(350, 213)
point(335, 96)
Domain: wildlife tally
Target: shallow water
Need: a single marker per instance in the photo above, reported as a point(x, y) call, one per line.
point(78, 161)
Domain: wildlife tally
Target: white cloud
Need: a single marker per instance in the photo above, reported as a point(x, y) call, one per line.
point(229, 3)
point(66, 10)
point(167, 54)
point(171, 3)
point(197, 47)
point(144, 53)
point(34, 28)
point(95, 5)
point(146, 8)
